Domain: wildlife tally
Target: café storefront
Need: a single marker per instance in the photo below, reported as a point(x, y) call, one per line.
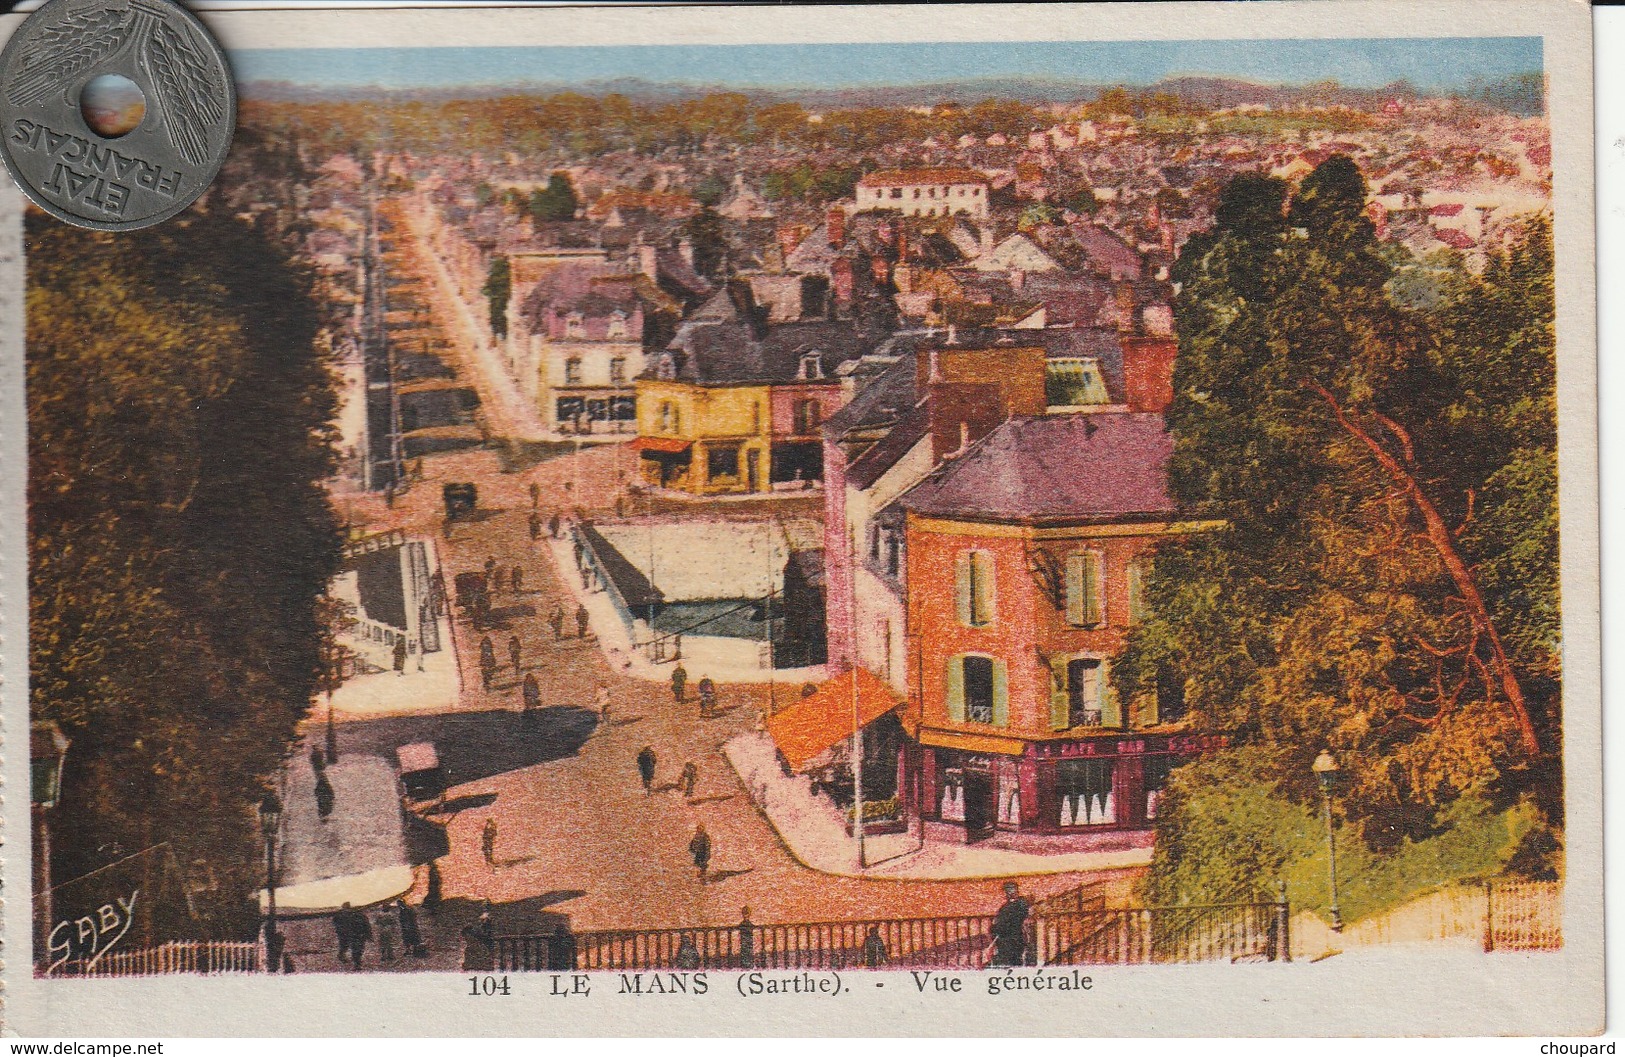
point(990, 784)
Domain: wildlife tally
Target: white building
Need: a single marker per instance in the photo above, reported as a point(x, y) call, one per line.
point(925, 192)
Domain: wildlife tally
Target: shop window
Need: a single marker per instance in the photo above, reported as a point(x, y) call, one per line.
point(1157, 770)
point(974, 588)
point(722, 461)
point(1085, 590)
point(978, 690)
point(952, 805)
point(1084, 793)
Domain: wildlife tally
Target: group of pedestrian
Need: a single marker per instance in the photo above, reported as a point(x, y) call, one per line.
point(555, 620)
point(705, 688)
point(397, 922)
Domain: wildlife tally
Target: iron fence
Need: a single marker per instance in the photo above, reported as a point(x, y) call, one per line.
point(203, 957)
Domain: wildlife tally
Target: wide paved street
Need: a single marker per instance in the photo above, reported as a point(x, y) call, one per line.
point(576, 833)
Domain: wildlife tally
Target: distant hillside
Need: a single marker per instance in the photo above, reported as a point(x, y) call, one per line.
point(1522, 94)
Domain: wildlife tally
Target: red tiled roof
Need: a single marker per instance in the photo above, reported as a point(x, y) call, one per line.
point(1457, 239)
point(893, 177)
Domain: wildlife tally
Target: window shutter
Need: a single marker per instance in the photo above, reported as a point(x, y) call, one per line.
point(1136, 592)
point(962, 593)
point(956, 689)
point(1060, 704)
point(1091, 588)
point(1075, 589)
point(982, 571)
point(1001, 695)
point(1111, 712)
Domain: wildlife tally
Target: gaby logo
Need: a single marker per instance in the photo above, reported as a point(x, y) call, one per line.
point(86, 939)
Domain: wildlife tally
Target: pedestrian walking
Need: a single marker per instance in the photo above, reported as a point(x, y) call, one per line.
point(411, 935)
point(445, 527)
point(535, 495)
point(516, 579)
point(433, 890)
point(874, 949)
point(691, 774)
point(324, 796)
point(553, 526)
point(601, 700)
point(490, 573)
point(646, 768)
point(620, 506)
point(318, 762)
point(747, 940)
point(488, 842)
point(679, 680)
point(532, 692)
point(1009, 928)
point(535, 526)
point(388, 927)
point(514, 653)
point(488, 672)
point(556, 620)
point(708, 695)
point(699, 846)
point(581, 621)
point(400, 655)
point(688, 955)
point(353, 931)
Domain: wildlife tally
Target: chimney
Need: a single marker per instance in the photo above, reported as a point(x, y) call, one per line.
point(903, 276)
point(646, 262)
point(1123, 294)
point(953, 335)
point(840, 270)
point(685, 250)
point(936, 367)
point(1148, 373)
point(987, 241)
point(837, 227)
point(1018, 279)
point(902, 243)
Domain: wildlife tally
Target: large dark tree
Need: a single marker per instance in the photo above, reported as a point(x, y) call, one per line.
point(179, 537)
point(1357, 590)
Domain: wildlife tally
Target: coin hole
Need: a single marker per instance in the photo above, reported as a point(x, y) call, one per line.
point(112, 105)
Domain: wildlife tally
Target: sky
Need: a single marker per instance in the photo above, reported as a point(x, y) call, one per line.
point(1431, 64)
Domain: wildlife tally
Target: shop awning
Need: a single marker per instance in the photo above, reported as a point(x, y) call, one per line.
point(662, 445)
point(952, 739)
point(812, 725)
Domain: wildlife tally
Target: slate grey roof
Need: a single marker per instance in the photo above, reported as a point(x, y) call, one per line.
point(736, 353)
point(1086, 468)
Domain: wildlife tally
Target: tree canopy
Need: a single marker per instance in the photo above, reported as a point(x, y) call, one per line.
point(179, 534)
point(1384, 580)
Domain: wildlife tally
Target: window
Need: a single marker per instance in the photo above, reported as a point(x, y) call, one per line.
point(894, 553)
point(978, 690)
point(572, 371)
point(811, 367)
point(976, 192)
point(1084, 589)
point(1074, 382)
point(931, 192)
point(808, 415)
point(916, 192)
point(670, 418)
point(756, 418)
point(1084, 791)
point(617, 370)
point(573, 325)
point(667, 371)
point(897, 192)
point(722, 461)
point(617, 325)
point(1081, 695)
point(975, 588)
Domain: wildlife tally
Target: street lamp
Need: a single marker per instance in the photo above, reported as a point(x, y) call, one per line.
point(1326, 771)
point(270, 818)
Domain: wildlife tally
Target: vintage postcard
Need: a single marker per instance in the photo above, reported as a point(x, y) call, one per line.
point(1052, 520)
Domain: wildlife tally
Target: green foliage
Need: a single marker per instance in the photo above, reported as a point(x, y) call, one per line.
point(179, 534)
point(710, 189)
point(1037, 215)
point(497, 290)
point(807, 183)
point(1383, 580)
point(556, 201)
point(1229, 827)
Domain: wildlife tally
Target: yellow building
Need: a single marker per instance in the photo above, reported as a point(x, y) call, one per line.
point(706, 440)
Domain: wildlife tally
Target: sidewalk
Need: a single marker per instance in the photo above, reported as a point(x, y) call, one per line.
point(433, 688)
point(358, 854)
point(615, 640)
point(815, 832)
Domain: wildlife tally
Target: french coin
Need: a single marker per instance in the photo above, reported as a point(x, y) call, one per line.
point(114, 114)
